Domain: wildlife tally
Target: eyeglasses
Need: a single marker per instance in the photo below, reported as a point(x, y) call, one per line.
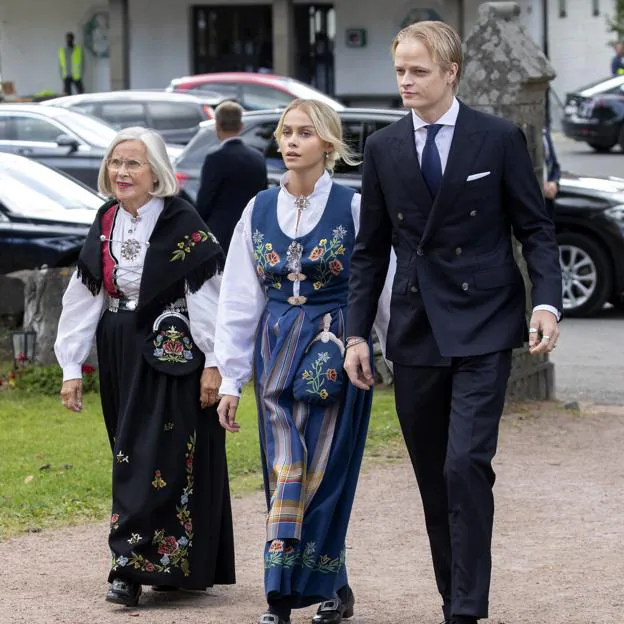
point(115, 164)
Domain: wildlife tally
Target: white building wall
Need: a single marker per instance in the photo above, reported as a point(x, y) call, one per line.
point(579, 48)
point(160, 41)
point(369, 70)
point(31, 31)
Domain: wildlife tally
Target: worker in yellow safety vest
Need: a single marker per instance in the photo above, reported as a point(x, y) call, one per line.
point(70, 63)
point(617, 63)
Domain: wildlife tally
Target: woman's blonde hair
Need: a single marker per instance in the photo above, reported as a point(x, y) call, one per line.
point(166, 184)
point(327, 125)
point(442, 42)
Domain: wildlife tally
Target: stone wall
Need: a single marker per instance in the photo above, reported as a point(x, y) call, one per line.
point(507, 74)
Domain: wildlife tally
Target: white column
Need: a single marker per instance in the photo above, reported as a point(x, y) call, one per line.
point(283, 37)
point(118, 42)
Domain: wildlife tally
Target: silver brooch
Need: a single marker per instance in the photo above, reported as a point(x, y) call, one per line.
point(301, 202)
point(130, 249)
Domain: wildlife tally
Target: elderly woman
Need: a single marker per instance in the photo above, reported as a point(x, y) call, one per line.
point(147, 286)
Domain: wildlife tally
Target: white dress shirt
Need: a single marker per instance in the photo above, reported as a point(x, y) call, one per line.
point(242, 300)
point(82, 311)
point(443, 141)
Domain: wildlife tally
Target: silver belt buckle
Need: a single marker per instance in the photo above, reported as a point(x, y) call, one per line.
point(115, 304)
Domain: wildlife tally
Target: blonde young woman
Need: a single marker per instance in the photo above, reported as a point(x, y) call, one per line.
point(282, 314)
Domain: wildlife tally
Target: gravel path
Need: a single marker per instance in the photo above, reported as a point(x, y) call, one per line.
point(558, 545)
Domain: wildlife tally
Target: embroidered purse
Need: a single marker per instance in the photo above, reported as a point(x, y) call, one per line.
point(169, 348)
point(320, 377)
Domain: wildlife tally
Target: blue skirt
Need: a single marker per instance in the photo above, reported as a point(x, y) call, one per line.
point(311, 457)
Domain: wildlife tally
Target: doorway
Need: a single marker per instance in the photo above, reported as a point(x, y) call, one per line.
point(240, 38)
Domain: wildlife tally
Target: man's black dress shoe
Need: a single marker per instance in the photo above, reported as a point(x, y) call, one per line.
point(334, 611)
point(271, 618)
point(124, 593)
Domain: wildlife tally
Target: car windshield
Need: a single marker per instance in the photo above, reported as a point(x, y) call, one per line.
point(30, 189)
point(304, 91)
point(601, 86)
point(93, 131)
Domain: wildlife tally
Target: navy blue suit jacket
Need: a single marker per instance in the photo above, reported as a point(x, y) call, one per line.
point(457, 291)
point(231, 175)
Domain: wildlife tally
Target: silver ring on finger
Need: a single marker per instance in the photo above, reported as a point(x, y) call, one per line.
point(545, 338)
point(532, 330)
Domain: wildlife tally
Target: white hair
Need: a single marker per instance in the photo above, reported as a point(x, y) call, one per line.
point(166, 183)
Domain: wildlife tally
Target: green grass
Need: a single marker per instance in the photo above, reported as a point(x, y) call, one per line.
point(55, 464)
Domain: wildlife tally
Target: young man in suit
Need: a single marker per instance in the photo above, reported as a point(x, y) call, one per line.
point(445, 186)
point(231, 175)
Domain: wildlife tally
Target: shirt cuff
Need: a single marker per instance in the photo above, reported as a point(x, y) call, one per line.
point(72, 371)
point(548, 308)
point(211, 360)
point(230, 386)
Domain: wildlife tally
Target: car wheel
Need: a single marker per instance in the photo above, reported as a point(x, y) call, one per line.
point(586, 274)
point(601, 148)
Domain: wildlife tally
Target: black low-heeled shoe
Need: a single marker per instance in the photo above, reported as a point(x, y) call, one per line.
point(271, 618)
point(124, 593)
point(334, 611)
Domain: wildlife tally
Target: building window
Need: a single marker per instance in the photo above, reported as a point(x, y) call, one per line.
point(563, 8)
point(595, 8)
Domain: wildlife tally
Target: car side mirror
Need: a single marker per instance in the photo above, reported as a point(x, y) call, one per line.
point(64, 140)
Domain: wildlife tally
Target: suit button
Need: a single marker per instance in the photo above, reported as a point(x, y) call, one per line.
point(414, 289)
point(465, 286)
point(419, 251)
point(458, 251)
point(400, 216)
point(473, 213)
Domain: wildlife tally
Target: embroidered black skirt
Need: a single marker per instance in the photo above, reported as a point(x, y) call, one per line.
point(171, 520)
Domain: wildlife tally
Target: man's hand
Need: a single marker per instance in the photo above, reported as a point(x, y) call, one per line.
point(227, 413)
point(357, 365)
point(550, 190)
point(71, 394)
point(209, 386)
point(543, 332)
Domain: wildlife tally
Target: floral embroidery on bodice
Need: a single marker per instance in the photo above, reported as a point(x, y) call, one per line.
point(314, 266)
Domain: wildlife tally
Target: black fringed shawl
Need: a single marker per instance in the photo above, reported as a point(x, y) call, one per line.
point(182, 252)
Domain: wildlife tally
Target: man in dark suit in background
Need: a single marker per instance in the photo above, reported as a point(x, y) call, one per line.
point(231, 175)
point(552, 172)
point(445, 186)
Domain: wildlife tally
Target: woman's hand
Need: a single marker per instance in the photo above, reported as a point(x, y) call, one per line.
point(71, 394)
point(227, 413)
point(209, 386)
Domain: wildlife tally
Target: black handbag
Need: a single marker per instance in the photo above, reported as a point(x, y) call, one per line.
point(169, 348)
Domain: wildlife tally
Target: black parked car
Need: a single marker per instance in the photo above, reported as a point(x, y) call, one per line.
point(589, 214)
point(176, 116)
point(67, 140)
point(595, 114)
point(44, 215)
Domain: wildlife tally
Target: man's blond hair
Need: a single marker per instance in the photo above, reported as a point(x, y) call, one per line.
point(442, 42)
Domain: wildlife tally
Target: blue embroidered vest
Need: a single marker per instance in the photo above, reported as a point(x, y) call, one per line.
point(318, 262)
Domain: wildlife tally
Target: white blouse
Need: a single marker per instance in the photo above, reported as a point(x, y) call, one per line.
point(242, 300)
point(82, 311)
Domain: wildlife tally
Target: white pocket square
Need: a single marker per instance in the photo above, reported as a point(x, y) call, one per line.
point(476, 176)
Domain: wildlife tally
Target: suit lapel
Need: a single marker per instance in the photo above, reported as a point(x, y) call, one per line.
point(403, 150)
point(467, 142)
